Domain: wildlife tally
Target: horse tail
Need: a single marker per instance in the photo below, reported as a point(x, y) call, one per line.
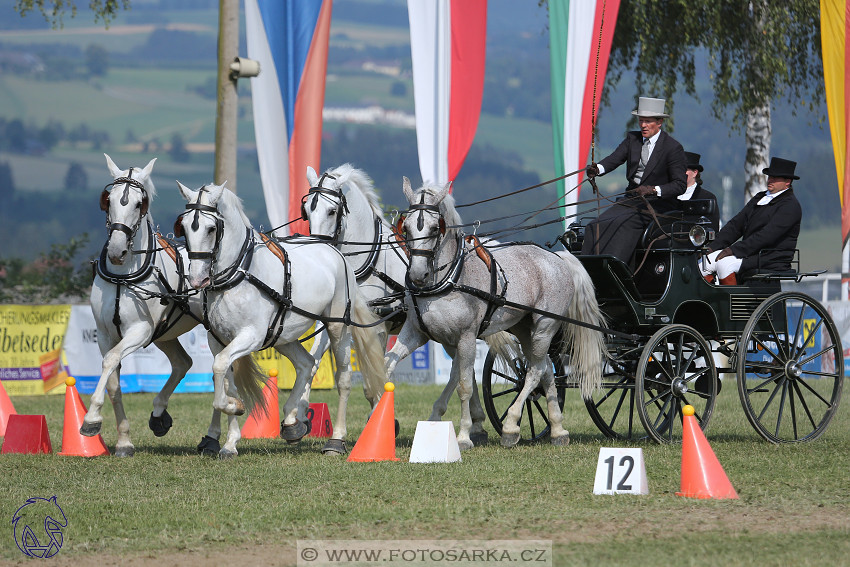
point(584, 345)
point(505, 347)
point(249, 380)
point(370, 350)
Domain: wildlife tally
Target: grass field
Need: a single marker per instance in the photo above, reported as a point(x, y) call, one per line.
point(169, 506)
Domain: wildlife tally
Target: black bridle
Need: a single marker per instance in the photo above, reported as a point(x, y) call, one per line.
point(420, 224)
point(342, 204)
point(200, 209)
point(128, 182)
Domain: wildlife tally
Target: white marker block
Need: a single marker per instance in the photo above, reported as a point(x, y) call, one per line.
point(434, 442)
point(620, 471)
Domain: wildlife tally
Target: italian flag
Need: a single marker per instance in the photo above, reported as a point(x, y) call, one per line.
point(580, 36)
point(447, 45)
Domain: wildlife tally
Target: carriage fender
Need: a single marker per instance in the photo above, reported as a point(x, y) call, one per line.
point(699, 315)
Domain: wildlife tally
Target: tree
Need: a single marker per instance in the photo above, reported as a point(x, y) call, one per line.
point(76, 178)
point(178, 151)
point(54, 10)
point(7, 182)
point(97, 60)
point(758, 52)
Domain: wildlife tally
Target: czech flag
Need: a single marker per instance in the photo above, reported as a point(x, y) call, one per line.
point(834, 26)
point(448, 46)
point(290, 40)
point(580, 36)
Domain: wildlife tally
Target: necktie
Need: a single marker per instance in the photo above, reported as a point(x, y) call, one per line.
point(644, 158)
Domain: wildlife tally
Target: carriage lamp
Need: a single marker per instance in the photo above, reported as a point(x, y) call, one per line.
point(242, 67)
point(698, 235)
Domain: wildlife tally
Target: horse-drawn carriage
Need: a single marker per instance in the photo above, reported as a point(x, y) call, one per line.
point(667, 330)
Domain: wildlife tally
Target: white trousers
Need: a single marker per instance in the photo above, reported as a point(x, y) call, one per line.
point(723, 268)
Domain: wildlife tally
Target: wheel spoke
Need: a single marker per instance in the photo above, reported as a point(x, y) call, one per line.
point(781, 406)
point(803, 403)
point(759, 386)
point(530, 412)
point(507, 377)
point(766, 348)
point(797, 330)
point(762, 364)
point(769, 400)
point(661, 413)
point(679, 347)
point(505, 393)
point(693, 377)
point(542, 412)
point(815, 393)
point(809, 337)
point(814, 356)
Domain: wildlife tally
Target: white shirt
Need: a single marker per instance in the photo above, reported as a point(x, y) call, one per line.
point(689, 192)
point(768, 197)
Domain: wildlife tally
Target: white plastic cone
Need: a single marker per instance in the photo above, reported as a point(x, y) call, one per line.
point(434, 442)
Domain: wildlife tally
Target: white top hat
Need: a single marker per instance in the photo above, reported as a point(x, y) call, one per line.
point(650, 107)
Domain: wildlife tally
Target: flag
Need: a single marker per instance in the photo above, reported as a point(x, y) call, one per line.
point(448, 46)
point(290, 40)
point(835, 23)
point(580, 36)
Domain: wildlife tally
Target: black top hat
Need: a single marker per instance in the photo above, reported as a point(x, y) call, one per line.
point(781, 168)
point(693, 161)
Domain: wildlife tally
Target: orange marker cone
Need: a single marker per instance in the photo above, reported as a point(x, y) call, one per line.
point(377, 442)
point(6, 409)
point(265, 424)
point(74, 444)
point(702, 475)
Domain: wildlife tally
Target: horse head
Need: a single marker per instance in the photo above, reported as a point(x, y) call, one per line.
point(126, 201)
point(325, 206)
point(424, 227)
point(203, 227)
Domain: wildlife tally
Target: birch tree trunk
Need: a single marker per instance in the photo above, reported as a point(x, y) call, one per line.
point(758, 149)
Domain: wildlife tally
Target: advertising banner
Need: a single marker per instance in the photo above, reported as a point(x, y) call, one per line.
point(27, 333)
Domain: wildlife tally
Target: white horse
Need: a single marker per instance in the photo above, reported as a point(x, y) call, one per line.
point(265, 294)
point(136, 300)
point(460, 291)
point(343, 207)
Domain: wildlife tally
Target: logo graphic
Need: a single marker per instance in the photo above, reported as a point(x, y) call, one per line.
point(37, 526)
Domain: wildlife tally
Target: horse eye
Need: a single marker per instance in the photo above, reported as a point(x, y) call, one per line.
point(332, 213)
point(210, 229)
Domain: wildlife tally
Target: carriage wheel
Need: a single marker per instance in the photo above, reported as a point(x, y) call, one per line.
point(790, 368)
point(502, 386)
point(612, 408)
point(676, 369)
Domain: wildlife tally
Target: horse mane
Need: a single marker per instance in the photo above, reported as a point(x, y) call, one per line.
point(230, 200)
point(361, 180)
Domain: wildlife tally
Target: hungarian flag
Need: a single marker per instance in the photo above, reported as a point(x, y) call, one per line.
point(580, 36)
point(448, 45)
point(290, 40)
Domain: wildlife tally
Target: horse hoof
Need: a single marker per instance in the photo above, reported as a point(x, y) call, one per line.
point(293, 433)
point(479, 439)
point(227, 454)
point(209, 446)
point(127, 451)
point(90, 429)
point(334, 447)
point(561, 441)
point(465, 444)
point(160, 425)
point(510, 439)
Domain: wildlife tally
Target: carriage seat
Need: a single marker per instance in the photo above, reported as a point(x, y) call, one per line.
point(677, 224)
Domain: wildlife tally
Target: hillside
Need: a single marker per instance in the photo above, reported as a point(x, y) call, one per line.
point(145, 88)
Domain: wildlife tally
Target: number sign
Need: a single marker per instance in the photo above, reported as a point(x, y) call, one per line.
point(620, 471)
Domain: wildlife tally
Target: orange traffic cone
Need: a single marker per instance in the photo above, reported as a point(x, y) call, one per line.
point(265, 424)
point(74, 444)
point(377, 442)
point(6, 409)
point(702, 475)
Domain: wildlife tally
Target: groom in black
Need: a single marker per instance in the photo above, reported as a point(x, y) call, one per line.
point(655, 173)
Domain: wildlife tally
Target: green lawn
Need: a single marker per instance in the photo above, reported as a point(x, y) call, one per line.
point(168, 504)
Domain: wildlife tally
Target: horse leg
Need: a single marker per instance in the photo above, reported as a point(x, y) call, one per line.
point(477, 433)
point(463, 372)
point(225, 399)
point(293, 426)
point(234, 432)
point(109, 380)
point(535, 348)
point(557, 433)
point(160, 421)
point(340, 337)
point(438, 410)
point(409, 339)
point(209, 445)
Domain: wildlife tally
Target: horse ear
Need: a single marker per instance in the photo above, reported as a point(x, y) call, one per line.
point(149, 167)
point(216, 191)
point(312, 177)
point(185, 191)
point(408, 191)
point(114, 171)
point(444, 191)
